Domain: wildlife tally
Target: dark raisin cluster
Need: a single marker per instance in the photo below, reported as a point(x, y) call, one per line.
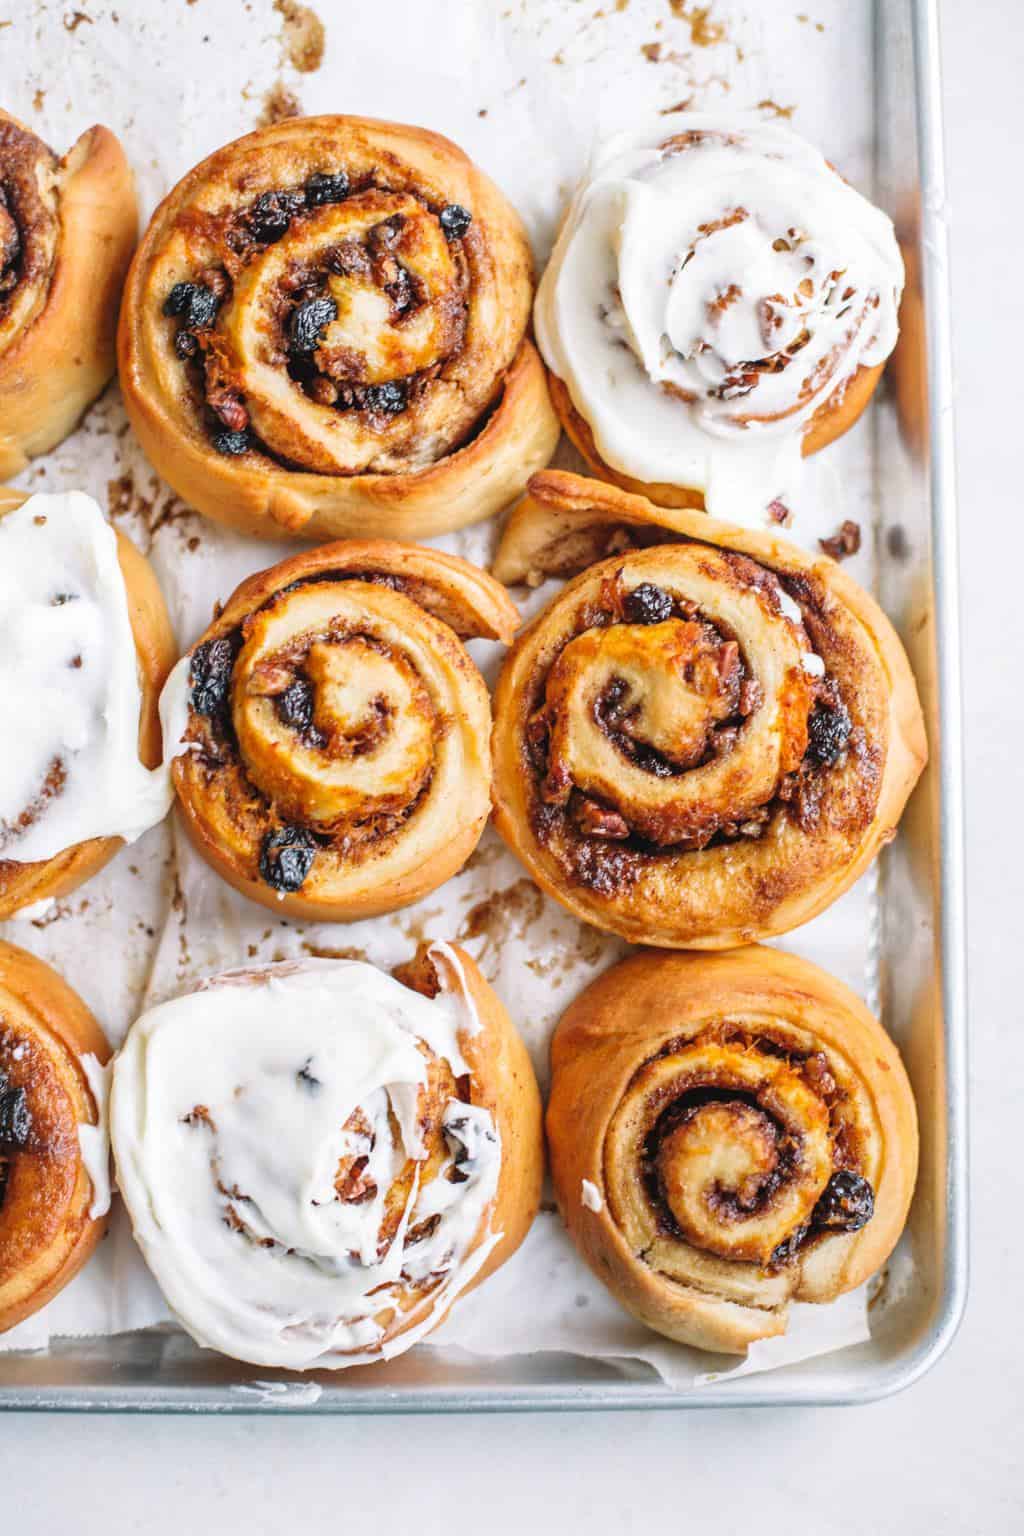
point(295, 705)
point(647, 604)
point(321, 189)
point(287, 857)
point(272, 213)
point(210, 675)
point(231, 443)
point(308, 321)
point(15, 1116)
point(192, 303)
point(847, 1204)
point(387, 399)
point(828, 729)
point(455, 220)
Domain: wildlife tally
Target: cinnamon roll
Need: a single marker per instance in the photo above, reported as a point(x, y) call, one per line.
point(698, 742)
point(719, 302)
point(324, 334)
point(54, 1162)
point(85, 647)
point(728, 1133)
point(67, 232)
point(319, 1158)
point(333, 732)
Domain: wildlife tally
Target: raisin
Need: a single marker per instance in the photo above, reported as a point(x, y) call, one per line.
point(308, 321)
point(386, 399)
point(455, 220)
point(295, 705)
point(286, 857)
point(186, 345)
point(15, 1118)
point(322, 189)
point(787, 1251)
point(647, 604)
point(231, 443)
point(210, 674)
point(848, 1203)
point(272, 213)
point(194, 304)
point(828, 731)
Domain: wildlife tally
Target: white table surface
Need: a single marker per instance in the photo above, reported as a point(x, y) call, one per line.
point(945, 1456)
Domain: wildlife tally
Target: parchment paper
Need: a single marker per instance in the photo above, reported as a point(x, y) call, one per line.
point(525, 88)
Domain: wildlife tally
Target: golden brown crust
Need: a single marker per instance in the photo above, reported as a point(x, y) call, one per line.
point(828, 1063)
point(379, 764)
point(836, 415)
point(768, 864)
point(155, 646)
point(471, 419)
point(46, 1233)
point(58, 324)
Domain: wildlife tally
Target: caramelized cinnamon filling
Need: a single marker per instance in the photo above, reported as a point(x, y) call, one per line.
point(28, 219)
point(746, 1147)
point(371, 308)
point(669, 691)
point(326, 741)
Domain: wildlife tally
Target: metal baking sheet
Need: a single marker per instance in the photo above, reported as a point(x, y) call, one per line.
point(921, 971)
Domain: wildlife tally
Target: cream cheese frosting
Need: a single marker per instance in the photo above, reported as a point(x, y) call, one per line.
point(231, 1110)
point(70, 699)
point(714, 283)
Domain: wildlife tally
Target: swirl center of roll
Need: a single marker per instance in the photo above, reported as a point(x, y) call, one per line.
point(329, 334)
point(675, 729)
point(333, 719)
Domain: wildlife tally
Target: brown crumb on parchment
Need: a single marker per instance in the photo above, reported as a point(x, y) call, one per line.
point(704, 32)
point(303, 37)
point(279, 104)
point(845, 542)
point(74, 19)
point(773, 108)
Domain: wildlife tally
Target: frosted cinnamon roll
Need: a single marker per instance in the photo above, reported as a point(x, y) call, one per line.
point(85, 647)
point(324, 334)
point(319, 1158)
point(699, 742)
point(719, 302)
point(54, 1158)
point(728, 1133)
point(333, 731)
point(67, 232)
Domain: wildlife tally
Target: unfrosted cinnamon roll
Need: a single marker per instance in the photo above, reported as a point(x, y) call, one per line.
point(324, 334)
point(85, 647)
point(67, 231)
point(336, 758)
point(54, 1173)
point(698, 742)
point(319, 1158)
point(719, 302)
point(728, 1133)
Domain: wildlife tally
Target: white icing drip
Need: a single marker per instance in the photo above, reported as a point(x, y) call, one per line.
point(280, 1059)
point(175, 708)
point(788, 608)
point(69, 686)
point(812, 664)
point(638, 296)
point(94, 1140)
point(590, 1196)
